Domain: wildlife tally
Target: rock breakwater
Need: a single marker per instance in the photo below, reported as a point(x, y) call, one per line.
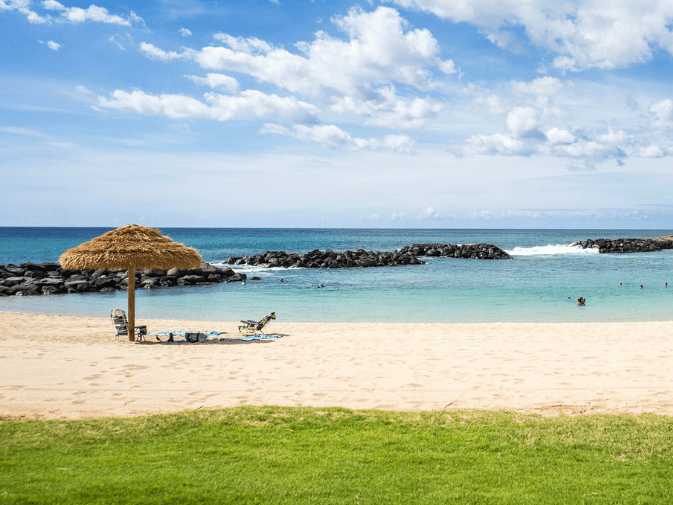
point(360, 258)
point(328, 259)
point(627, 245)
point(49, 278)
point(478, 251)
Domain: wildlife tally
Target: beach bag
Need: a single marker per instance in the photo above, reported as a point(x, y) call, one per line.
point(193, 337)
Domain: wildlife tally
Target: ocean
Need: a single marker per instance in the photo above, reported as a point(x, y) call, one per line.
point(540, 284)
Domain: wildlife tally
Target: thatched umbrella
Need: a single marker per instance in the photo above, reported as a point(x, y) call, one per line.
point(130, 248)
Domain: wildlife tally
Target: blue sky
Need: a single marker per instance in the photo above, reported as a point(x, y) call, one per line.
point(395, 113)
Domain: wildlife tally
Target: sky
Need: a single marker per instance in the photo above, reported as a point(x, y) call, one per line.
point(378, 114)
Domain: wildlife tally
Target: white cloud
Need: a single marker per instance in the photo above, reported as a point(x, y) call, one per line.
point(542, 89)
point(381, 49)
point(652, 151)
point(559, 136)
point(522, 120)
point(447, 66)
point(430, 213)
point(185, 32)
point(497, 143)
point(116, 42)
point(615, 145)
point(54, 46)
point(154, 53)
point(334, 137)
point(585, 33)
point(216, 81)
point(662, 112)
point(389, 110)
point(22, 6)
point(68, 14)
point(92, 13)
point(250, 104)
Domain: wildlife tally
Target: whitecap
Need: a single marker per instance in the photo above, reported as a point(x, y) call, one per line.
point(549, 250)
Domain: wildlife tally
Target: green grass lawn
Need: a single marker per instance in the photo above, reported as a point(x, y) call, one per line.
point(309, 455)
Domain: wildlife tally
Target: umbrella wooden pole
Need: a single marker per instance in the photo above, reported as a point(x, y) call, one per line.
point(132, 304)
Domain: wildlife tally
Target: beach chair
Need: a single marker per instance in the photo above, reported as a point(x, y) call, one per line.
point(121, 324)
point(251, 327)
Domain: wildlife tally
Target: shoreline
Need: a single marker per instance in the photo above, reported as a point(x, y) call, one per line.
point(65, 367)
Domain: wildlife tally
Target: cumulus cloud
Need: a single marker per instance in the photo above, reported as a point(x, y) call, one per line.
point(92, 13)
point(249, 104)
point(155, 53)
point(216, 81)
point(430, 213)
point(584, 33)
point(380, 49)
point(23, 7)
point(72, 15)
point(389, 110)
point(185, 32)
point(559, 136)
point(54, 46)
point(334, 137)
point(662, 112)
point(541, 90)
point(356, 75)
point(611, 145)
point(522, 120)
point(652, 151)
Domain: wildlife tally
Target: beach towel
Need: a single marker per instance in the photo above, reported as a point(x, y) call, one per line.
point(253, 337)
point(181, 333)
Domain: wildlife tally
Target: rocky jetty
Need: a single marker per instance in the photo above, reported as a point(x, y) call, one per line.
point(49, 278)
point(328, 259)
point(408, 255)
point(627, 245)
point(466, 251)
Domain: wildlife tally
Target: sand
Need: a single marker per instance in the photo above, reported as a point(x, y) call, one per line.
point(65, 367)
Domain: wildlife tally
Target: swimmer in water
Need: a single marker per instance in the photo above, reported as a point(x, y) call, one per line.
point(641, 286)
point(665, 284)
point(620, 283)
point(581, 301)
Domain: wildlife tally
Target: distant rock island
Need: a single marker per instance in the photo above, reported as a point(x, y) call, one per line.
point(627, 245)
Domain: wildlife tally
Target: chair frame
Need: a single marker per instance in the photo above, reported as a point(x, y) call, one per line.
point(251, 327)
point(121, 324)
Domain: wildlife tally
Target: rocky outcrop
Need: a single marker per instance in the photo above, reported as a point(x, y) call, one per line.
point(49, 278)
point(328, 259)
point(478, 251)
point(627, 245)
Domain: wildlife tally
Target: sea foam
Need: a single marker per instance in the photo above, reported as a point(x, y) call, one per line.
point(547, 250)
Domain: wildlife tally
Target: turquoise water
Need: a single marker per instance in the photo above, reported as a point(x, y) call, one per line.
point(540, 284)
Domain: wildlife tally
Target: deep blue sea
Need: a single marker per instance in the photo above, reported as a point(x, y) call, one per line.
point(541, 283)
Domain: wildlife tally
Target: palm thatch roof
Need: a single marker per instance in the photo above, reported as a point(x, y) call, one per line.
point(130, 247)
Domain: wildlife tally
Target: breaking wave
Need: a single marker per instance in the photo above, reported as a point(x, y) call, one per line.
point(548, 250)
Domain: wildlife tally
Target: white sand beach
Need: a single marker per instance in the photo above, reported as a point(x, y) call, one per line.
point(66, 367)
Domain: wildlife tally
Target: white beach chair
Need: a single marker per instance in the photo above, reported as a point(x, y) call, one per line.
point(122, 325)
